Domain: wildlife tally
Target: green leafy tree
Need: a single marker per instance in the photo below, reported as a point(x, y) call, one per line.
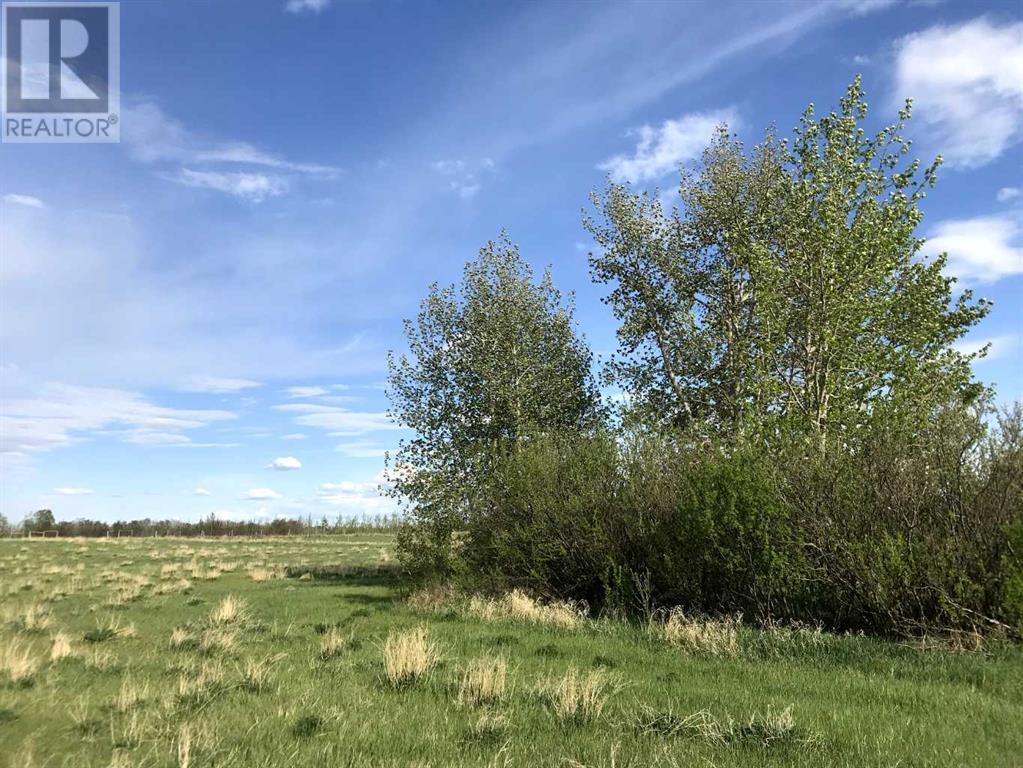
point(40, 520)
point(491, 363)
point(5, 526)
point(790, 290)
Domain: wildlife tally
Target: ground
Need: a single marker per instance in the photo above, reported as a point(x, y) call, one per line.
point(276, 652)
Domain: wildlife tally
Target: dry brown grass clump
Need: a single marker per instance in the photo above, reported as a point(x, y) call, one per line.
point(518, 605)
point(62, 648)
point(483, 681)
point(130, 695)
point(257, 673)
point(265, 574)
point(580, 696)
point(333, 643)
point(409, 656)
point(17, 662)
point(716, 637)
point(34, 618)
point(231, 610)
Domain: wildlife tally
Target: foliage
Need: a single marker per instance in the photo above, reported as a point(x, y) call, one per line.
point(490, 363)
point(898, 538)
point(789, 292)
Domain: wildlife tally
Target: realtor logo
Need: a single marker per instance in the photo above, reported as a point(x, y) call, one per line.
point(61, 72)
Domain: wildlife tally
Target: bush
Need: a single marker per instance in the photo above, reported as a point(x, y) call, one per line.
point(908, 532)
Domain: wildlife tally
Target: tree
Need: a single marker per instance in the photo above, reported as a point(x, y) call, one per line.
point(5, 525)
point(39, 521)
point(790, 290)
point(491, 363)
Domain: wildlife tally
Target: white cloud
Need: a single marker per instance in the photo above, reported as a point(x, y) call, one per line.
point(661, 150)
point(980, 250)
point(61, 414)
point(339, 421)
point(356, 497)
point(252, 187)
point(966, 82)
point(26, 200)
point(1000, 346)
point(201, 492)
point(303, 6)
point(261, 494)
point(307, 391)
point(155, 137)
point(73, 491)
point(284, 464)
point(464, 177)
point(213, 385)
point(361, 450)
point(295, 436)
point(1007, 194)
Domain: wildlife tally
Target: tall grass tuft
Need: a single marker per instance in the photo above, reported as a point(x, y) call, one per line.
point(580, 697)
point(17, 662)
point(714, 637)
point(483, 681)
point(409, 656)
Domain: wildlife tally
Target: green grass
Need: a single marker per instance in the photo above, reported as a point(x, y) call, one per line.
point(250, 684)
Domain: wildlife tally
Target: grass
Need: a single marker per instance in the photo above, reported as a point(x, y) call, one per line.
point(301, 651)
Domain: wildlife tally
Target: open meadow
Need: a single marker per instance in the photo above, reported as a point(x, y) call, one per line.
point(305, 652)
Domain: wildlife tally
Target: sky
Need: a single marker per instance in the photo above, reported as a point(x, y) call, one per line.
point(196, 320)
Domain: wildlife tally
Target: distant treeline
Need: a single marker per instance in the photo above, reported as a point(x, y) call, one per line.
point(44, 522)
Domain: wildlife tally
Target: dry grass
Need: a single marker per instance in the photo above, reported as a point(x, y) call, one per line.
point(218, 639)
point(409, 656)
point(62, 648)
point(580, 696)
point(17, 662)
point(334, 643)
point(265, 574)
point(130, 695)
point(230, 610)
point(518, 605)
point(257, 673)
point(715, 637)
point(483, 681)
point(181, 638)
point(34, 618)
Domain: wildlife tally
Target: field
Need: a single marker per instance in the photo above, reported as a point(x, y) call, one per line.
point(303, 652)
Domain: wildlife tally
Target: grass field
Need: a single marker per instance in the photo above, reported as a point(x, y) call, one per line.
point(301, 652)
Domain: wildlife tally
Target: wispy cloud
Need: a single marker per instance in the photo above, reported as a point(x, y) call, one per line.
point(62, 414)
point(362, 450)
point(662, 149)
point(28, 201)
point(73, 491)
point(285, 464)
point(261, 494)
point(998, 346)
point(464, 177)
point(337, 420)
point(1008, 194)
point(306, 6)
point(966, 81)
point(980, 250)
point(254, 187)
point(309, 391)
point(201, 492)
point(215, 385)
point(237, 168)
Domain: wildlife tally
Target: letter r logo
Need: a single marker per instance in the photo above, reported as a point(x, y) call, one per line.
point(57, 58)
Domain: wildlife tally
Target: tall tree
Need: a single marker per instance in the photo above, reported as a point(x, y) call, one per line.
point(790, 289)
point(491, 362)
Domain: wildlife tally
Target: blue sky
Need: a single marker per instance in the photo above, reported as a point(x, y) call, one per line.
point(189, 314)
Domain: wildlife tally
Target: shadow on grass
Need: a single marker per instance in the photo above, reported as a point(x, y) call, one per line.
point(363, 575)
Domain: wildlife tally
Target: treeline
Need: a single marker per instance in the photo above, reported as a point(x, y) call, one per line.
point(795, 435)
point(43, 522)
